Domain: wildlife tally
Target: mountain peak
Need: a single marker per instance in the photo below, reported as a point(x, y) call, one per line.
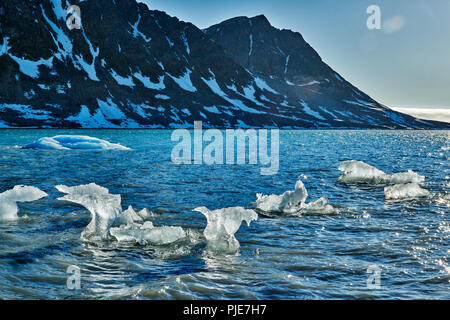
point(132, 67)
point(241, 21)
point(261, 19)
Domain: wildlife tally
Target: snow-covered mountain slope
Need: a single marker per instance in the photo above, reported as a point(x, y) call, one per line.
point(130, 67)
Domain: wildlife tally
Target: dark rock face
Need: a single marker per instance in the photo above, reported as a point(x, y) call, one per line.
point(131, 67)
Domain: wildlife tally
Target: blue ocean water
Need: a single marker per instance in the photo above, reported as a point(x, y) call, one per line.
point(307, 257)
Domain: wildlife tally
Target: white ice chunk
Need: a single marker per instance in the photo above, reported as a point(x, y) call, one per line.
point(288, 202)
point(293, 203)
point(105, 208)
point(107, 215)
point(319, 207)
point(358, 172)
point(222, 224)
point(405, 191)
point(9, 199)
point(71, 142)
point(148, 234)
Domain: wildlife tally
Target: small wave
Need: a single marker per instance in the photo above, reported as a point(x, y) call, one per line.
point(358, 172)
point(9, 199)
point(405, 191)
point(73, 142)
point(293, 203)
point(222, 224)
point(443, 198)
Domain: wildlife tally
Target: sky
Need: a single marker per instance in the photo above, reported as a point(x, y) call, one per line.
point(405, 64)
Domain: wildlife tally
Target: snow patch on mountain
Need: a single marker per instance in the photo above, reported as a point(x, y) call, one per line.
point(26, 112)
point(136, 33)
point(128, 81)
point(148, 83)
point(184, 81)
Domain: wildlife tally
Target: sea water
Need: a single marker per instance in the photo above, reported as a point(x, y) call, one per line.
point(310, 255)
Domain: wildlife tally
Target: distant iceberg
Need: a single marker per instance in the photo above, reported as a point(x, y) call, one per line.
point(9, 199)
point(222, 224)
point(358, 172)
point(72, 142)
point(292, 203)
point(405, 191)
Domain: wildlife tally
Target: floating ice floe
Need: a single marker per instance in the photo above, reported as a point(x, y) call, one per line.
point(405, 191)
point(71, 142)
point(292, 203)
point(108, 219)
point(222, 224)
point(358, 172)
point(148, 234)
point(289, 202)
point(9, 199)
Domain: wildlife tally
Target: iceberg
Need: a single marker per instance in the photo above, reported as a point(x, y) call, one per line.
point(358, 172)
point(108, 220)
point(289, 202)
point(105, 209)
point(320, 206)
point(9, 199)
point(222, 224)
point(405, 191)
point(148, 234)
point(74, 142)
point(292, 203)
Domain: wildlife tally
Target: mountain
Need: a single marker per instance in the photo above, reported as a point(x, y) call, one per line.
point(132, 67)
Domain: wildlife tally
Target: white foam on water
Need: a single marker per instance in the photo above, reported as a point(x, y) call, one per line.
point(9, 199)
point(222, 225)
point(358, 172)
point(405, 191)
point(72, 142)
point(293, 203)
